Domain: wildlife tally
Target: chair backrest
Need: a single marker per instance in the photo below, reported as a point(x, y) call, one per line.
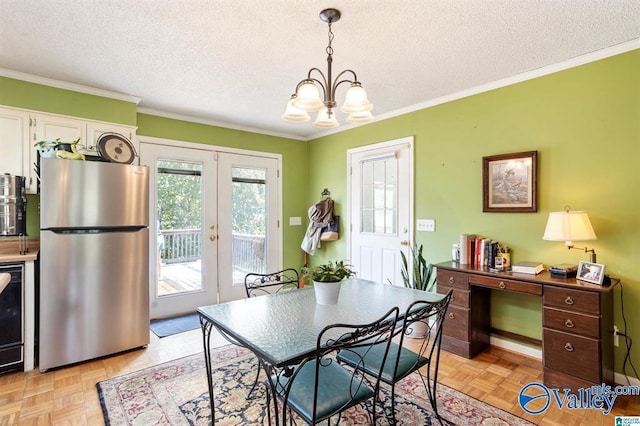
point(427, 317)
point(274, 282)
point(347, 337)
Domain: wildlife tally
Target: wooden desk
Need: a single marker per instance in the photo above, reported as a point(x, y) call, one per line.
point(577, 321)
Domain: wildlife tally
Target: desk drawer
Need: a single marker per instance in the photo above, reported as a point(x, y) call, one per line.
point(572, 300)
point(571, 354)
point(571, 322)
point(453, 279)
point(505, 284)
point(459, 297)
point(456, 323)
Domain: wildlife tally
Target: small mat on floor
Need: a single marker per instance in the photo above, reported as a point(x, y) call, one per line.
point(175, 393)
point(167, 326)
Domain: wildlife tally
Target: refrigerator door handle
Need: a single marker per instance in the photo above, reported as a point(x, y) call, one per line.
point(70, 231)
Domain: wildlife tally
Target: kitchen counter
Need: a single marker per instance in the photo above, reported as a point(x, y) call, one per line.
point(10, 252)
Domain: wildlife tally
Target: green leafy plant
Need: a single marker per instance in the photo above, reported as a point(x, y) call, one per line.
point(47, 145)
point(329, 272)
point(422, 276)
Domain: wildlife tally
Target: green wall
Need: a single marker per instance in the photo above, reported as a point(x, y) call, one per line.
point(22, 94)
point(585, 124)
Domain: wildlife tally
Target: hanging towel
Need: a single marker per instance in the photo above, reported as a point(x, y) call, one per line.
point(320, 216)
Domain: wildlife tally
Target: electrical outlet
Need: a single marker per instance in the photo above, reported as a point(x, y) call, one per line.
point(616, 336)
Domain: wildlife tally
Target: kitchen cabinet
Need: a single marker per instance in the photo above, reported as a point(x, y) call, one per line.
point(96, 129)
point(14, 131)
point(21, 129)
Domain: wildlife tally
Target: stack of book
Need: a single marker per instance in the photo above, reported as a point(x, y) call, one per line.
point(532, 268)
point(480, 251)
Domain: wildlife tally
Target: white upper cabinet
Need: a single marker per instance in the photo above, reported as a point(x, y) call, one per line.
point(14, 131)
point(21, 129)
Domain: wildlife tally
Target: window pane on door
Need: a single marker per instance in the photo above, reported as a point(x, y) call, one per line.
point(179, 195)
point(249, 222)
point(379, 196)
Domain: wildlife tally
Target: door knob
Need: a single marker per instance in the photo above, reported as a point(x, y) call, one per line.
point(212, 227)
point(213, 237)
point(404, 243)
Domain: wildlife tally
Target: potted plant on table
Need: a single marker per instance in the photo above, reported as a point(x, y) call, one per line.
point(326, 280)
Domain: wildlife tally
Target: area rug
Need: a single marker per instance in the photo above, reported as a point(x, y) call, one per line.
point(168, 326)
point(175, 393)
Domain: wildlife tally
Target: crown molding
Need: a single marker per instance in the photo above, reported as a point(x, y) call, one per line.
point(17, 75)
point(519, 78)
point(181, 117)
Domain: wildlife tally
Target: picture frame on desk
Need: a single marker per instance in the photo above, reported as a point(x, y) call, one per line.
point(510, 182)
point(590, 272)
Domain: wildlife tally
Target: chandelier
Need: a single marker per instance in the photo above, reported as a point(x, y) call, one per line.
point(307, 96)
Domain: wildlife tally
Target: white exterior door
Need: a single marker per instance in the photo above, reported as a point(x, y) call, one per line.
point(182, 228)
point(380, 208)
point(249, 218)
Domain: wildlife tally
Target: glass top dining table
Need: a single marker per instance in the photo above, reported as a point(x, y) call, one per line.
point(282, 329)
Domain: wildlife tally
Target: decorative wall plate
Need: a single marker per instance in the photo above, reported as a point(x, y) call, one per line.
point(116, 148)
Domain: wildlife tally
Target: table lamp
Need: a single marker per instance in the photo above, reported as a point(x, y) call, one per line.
point(570, 226)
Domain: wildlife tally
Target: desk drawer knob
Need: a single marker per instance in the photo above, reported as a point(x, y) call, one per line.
point(568, 300)
point(451, 315)
point(568, 347)
point(452, 280)
point(502, 285)
point(569, 323)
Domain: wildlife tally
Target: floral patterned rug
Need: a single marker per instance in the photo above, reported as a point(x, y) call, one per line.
point(175, 393)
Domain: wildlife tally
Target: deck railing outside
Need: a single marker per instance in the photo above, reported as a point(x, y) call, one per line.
point(184, 245)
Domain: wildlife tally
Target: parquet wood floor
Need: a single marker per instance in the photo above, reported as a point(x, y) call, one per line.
point(68, 396)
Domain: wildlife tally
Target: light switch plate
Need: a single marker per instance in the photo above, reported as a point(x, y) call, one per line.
point(297, 220)
point(426, 225)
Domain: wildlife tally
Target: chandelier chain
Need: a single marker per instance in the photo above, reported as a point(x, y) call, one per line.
point(329, 48)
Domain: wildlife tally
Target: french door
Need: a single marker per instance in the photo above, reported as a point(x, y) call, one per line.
point(214, 217)
point(183, 211)
point(249, 220)
point(380, 208)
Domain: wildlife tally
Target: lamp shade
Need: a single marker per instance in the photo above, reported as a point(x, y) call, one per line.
point(308, 97)
point(326, 119)
point(569, 226)
point(293, 114)
point(356, 100)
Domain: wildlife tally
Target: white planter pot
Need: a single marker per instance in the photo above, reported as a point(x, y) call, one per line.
point(417, 330)
point(50, 153)
point(326, 293)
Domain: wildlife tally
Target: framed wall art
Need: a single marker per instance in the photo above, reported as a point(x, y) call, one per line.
point(509, 182)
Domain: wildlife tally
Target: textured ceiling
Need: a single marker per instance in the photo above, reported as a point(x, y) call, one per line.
point(236, 62)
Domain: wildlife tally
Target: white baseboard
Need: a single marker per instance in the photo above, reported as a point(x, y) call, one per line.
point(621, 379)
point(512, 346)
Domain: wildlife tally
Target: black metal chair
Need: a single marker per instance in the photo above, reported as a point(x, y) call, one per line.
point(319, 387)
point(274, 282)
point(261, 284)
point(402, 361)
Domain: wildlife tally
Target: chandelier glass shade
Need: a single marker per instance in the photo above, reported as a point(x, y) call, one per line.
point(307, 95)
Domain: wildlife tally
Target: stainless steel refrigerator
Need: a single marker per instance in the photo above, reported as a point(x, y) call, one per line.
point(94, 260)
